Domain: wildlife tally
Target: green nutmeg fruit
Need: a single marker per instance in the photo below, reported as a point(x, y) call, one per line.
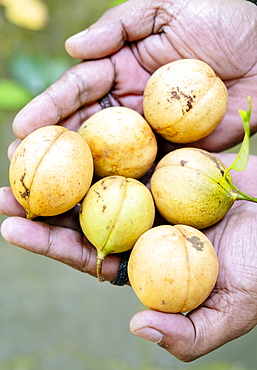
point(114, 214)
point(189, 187)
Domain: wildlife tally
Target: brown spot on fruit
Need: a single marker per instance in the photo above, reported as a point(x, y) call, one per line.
point(183, 163)
point(174, 95)
point(26, 192)
point(196, 243)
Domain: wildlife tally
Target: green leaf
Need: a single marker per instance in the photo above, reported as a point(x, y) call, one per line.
point(30, 70)
point(241, 160)
point(116, 2)
point(13, 95)
point(37, 71)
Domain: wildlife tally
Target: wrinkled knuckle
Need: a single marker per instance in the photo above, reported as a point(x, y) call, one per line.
point(47, 250)
point(50, 93)
point(82, 89)
point(88, 258)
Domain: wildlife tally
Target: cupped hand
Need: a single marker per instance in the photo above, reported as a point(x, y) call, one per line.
point(119, 54)
point(129, 42)
point(228, 313)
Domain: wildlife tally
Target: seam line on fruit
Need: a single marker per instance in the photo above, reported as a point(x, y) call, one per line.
point(42, 157)
point(124, 186)
point(38, 165)
point(188, 268)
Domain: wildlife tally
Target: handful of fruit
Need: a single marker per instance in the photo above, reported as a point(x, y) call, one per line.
point(172, 268)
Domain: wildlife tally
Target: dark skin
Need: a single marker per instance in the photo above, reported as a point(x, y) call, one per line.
point(133, 40)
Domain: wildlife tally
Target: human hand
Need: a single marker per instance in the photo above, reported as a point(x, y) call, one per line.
point(112, 41)
point(228, 313)
point(129, 42)
point(59, 237)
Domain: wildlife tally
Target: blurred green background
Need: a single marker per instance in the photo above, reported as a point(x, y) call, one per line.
point(53, 317)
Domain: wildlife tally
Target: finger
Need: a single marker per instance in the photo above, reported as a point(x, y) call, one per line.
point(62, 244)
point(166, 330)
point(75, 120)
point(12, 147)
point(130, 21)
point(78, 86)
point(69, 219)
point(223, 137)
point(9, 205)
point(189, 337)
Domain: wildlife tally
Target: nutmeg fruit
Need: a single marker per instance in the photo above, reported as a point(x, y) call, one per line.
point(121, 141)
point(51, 171)
point(173, 268)
point(114, 213)
point(189, 188)
point(184, 101)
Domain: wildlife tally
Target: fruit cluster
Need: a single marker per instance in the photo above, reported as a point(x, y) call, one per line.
point(172, 268)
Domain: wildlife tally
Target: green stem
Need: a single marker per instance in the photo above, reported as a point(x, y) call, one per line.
point(241, 160)
point(240, 194)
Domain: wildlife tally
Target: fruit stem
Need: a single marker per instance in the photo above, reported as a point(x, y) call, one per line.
point(99, 263)
point(30, 215)
point(240, 194)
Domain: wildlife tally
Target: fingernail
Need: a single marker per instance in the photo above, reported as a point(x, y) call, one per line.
point(149, 334)
point(80, 34)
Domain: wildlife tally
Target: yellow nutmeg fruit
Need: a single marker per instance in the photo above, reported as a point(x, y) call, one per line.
point(114, 213)
point(121, 141)
point(173, 268)
point(184, 101)
point(189, 188)
point(51, 171)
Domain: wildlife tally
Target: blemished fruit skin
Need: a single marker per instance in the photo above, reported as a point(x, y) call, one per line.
point(114, 213)
point(184, 101)
point(121, 141)
point(189, 188)
point(173, 269)
point(51, 171)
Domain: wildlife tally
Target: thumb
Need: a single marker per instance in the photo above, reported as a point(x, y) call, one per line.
point(187, 337)
point(173, 332)
point(125, 22)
